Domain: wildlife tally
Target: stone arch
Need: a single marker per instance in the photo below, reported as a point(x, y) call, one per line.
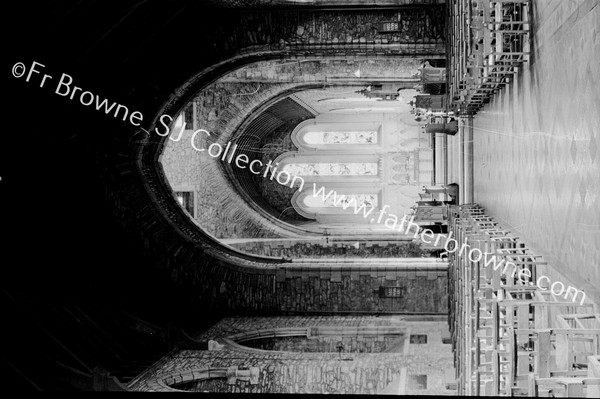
point(327, 337)
point(148, 205)
point(164, 383)
point(192, 87)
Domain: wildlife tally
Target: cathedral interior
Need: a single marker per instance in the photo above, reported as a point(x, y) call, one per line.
point(396, 197)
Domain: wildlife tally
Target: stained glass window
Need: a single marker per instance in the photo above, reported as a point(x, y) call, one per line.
point(349, 200)
point(355, 137)
point(331, 169)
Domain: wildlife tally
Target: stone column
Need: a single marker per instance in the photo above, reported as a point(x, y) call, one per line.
point(445, 159)
point(440, 159)
point(461, 164)
point(468, 162)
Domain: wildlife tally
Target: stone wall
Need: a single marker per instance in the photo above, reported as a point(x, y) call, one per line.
point(318, 287)
point(219, 209)
point(294, 372)
point(349, 31)
point(322, 3)
point(372, 69)
point(343, 28)
point(321, 248)
point(348, 290)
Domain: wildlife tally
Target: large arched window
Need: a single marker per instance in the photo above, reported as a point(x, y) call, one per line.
point(334, 136)
point(353, 200)
point(339, 203)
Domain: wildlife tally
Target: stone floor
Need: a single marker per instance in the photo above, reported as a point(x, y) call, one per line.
point(537, 145)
